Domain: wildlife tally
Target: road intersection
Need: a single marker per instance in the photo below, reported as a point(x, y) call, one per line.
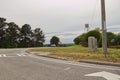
point(16, 64)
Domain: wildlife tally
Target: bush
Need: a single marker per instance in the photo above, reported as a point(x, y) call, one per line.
point(94, 33)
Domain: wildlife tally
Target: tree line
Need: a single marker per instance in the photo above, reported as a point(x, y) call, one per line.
point(112, 38)
point(13, 36)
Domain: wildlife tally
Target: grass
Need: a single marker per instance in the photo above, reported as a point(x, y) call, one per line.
point(78, 52)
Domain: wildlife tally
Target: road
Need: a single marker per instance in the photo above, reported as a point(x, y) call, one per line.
point(16, 64)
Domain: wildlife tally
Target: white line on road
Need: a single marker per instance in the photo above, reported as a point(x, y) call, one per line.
point(4, 55)
point(18, 54)
point(21, 54)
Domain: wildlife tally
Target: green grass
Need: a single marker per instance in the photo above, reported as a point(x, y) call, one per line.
point(78, 52)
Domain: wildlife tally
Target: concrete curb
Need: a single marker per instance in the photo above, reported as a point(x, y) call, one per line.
point(100, 63)
point(86, 61)
point(51, 57)
point(83, 61)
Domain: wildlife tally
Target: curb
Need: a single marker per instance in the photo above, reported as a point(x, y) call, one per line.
point(86, 61)
point(51, 57)
point(100, 63)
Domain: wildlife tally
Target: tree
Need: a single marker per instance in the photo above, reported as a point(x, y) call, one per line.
point(2, 31)
point(111, 38)
point(54, 41)
point(39, 37)
point(83, 38)
point(2, 22)
point(118, 39)
point(95, 33)
point(12, 34)
point(26, 34)
point(80, 39)
point(77, 40)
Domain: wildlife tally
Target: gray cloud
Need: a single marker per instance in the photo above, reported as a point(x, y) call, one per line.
point(60, 15)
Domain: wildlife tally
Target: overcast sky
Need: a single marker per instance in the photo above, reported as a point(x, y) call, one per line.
point(62, 18)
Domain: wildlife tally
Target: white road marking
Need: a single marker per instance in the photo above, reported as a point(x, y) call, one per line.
point(68, 68)
point(106, 75)
point(18, 54)
point(21, 54)
point(4, 55)
point(77, 63)
point(0, 55)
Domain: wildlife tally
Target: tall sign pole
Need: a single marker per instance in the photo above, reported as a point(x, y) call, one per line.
point(104, 30)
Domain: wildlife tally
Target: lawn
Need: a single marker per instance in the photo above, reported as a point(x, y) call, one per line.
point(78, 52)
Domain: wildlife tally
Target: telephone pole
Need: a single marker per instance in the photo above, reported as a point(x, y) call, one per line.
point(104, 30)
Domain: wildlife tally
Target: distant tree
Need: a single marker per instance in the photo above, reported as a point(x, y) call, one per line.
point(83, 38)
point(26, 34)
point(54, 41)
point(12, 34)
point(111, 38)
point(26, 30)
point(2, 22)
point(95, 33)
point(98, 29)
point(77, 40)
point(80, 39)
point(118, 39)
point(39, 36)
point(2, 31)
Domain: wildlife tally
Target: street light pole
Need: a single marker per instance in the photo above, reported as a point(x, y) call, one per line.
point(104, 30)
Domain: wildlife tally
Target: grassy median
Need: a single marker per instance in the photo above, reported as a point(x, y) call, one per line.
point(78, 52)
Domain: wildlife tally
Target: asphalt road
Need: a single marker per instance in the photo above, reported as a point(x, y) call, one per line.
point(15, 64)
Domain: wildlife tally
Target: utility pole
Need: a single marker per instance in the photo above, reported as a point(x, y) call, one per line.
point(104, 30)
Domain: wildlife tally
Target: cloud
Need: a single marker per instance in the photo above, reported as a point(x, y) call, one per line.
point(114, 28)
point(65, 37)
point(60, 15)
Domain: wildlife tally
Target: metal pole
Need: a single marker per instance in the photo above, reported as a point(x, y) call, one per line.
point(104, 30)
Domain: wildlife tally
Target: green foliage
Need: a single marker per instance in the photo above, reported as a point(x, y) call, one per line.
point(118, 39)
point(80, 40)
point(38, 34)
point(26, 34)
point(94, 33)
point(2, 22)
point(54, 41)
point(111, 38)
point(77, 40)
point(12, 36)
point(83, 38)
